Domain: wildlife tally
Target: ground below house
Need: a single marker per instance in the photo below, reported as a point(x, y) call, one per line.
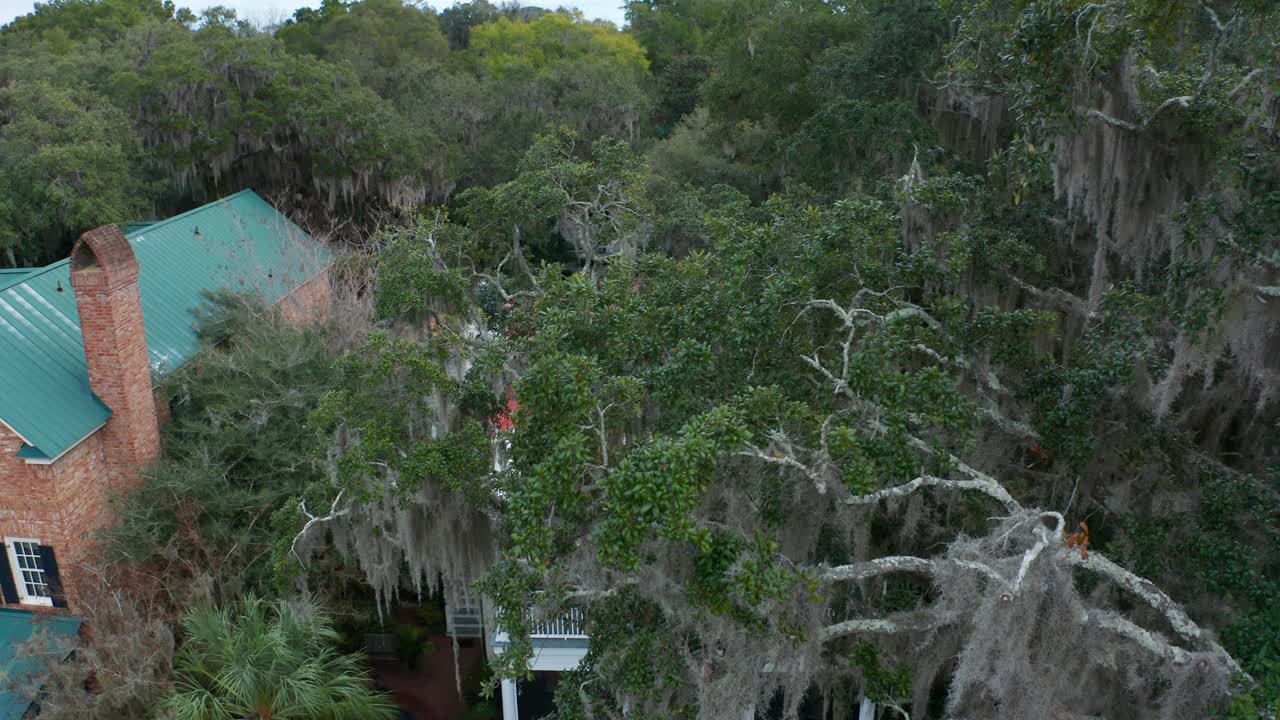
point(429, 691)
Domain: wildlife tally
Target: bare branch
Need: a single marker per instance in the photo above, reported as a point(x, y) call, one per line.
point(312, 520)
point(1056, 297)
point(904, 563)
point(1094, 114)
point(502, 292)
point(1158, 600)
point(1180, 101)
point(1153, 642)
point(1253, 75)
point(904, 622)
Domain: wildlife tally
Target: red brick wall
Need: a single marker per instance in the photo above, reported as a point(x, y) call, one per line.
point(28, 509)
point(61, 504)
point(309, 302)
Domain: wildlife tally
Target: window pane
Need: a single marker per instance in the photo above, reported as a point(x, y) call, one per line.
point(30, 569)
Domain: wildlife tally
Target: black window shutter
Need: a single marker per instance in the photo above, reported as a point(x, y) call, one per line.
point(7, 588)
point(51, 577)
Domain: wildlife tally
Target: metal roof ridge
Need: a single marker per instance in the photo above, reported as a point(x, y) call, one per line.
point(192, 211)
point(34, 273)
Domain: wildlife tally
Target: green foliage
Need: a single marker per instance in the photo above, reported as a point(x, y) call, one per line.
point(254, 658)
point(413, 643)
point(411, 281)
point(658, 485)
point(527, 49)
point(65, 165)
point(380, 39)
point(563, 204)
point(880, 683)
point(1215, 551)
point(236, 450)
point(1070, 397)
point(369, 401)
point(763, 51)
point(856, 245)
point(627, 634)
point(457, 20)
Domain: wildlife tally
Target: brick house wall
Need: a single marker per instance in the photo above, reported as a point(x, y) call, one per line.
point(60, 504)
point(309, 302)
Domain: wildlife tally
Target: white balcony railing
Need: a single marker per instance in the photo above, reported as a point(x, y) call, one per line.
point(565, 627)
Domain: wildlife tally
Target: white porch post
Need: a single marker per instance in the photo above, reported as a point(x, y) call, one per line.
point(509, 711)
point(867, 711)
point(749, 713)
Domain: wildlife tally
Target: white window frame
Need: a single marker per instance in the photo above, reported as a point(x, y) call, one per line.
point(19, 580)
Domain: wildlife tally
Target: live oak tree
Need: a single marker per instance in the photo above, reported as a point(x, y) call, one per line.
point(755, 467)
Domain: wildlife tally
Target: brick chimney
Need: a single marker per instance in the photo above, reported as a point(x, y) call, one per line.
point(104, 274)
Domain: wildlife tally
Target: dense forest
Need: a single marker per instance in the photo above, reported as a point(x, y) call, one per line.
point(923, 351)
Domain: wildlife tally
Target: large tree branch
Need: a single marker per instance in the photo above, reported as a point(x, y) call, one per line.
point(916, 621)
point(1178, 619)
point(904, 563)
point(985, 486)
point(1056, 297)
point(1151, 641)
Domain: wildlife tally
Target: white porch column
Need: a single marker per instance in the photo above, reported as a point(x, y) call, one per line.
point(867, 711)
point(509, 711)
point(749, 713)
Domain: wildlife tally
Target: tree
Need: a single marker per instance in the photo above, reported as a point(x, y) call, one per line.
point(598, 208)
point(726, 496)
point(380, 39)
point(236, 449)
point(97, 19)
point(507, 46)
point(761, 54)
point(457, 20)
point(64, 168)
point(268, 660)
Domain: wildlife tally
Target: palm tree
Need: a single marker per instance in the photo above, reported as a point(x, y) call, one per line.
point(257, 660)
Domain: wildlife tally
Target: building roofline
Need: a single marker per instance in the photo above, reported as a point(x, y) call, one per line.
point(51, 460)
point(35, 272)
point(193, 211)
point(14, 430)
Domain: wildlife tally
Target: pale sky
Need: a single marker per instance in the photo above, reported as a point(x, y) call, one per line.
point(267, 11)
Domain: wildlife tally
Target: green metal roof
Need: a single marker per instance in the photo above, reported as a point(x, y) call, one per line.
point(132, 227)
point(55, 637)
point(239, 243)
point(9, 276)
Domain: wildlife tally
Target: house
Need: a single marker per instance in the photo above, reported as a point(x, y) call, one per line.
point(559, 645)
point(82, 344)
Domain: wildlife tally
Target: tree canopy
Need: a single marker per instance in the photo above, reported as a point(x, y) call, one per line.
point(918, 351)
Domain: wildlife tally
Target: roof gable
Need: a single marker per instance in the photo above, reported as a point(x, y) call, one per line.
point(239, 243)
